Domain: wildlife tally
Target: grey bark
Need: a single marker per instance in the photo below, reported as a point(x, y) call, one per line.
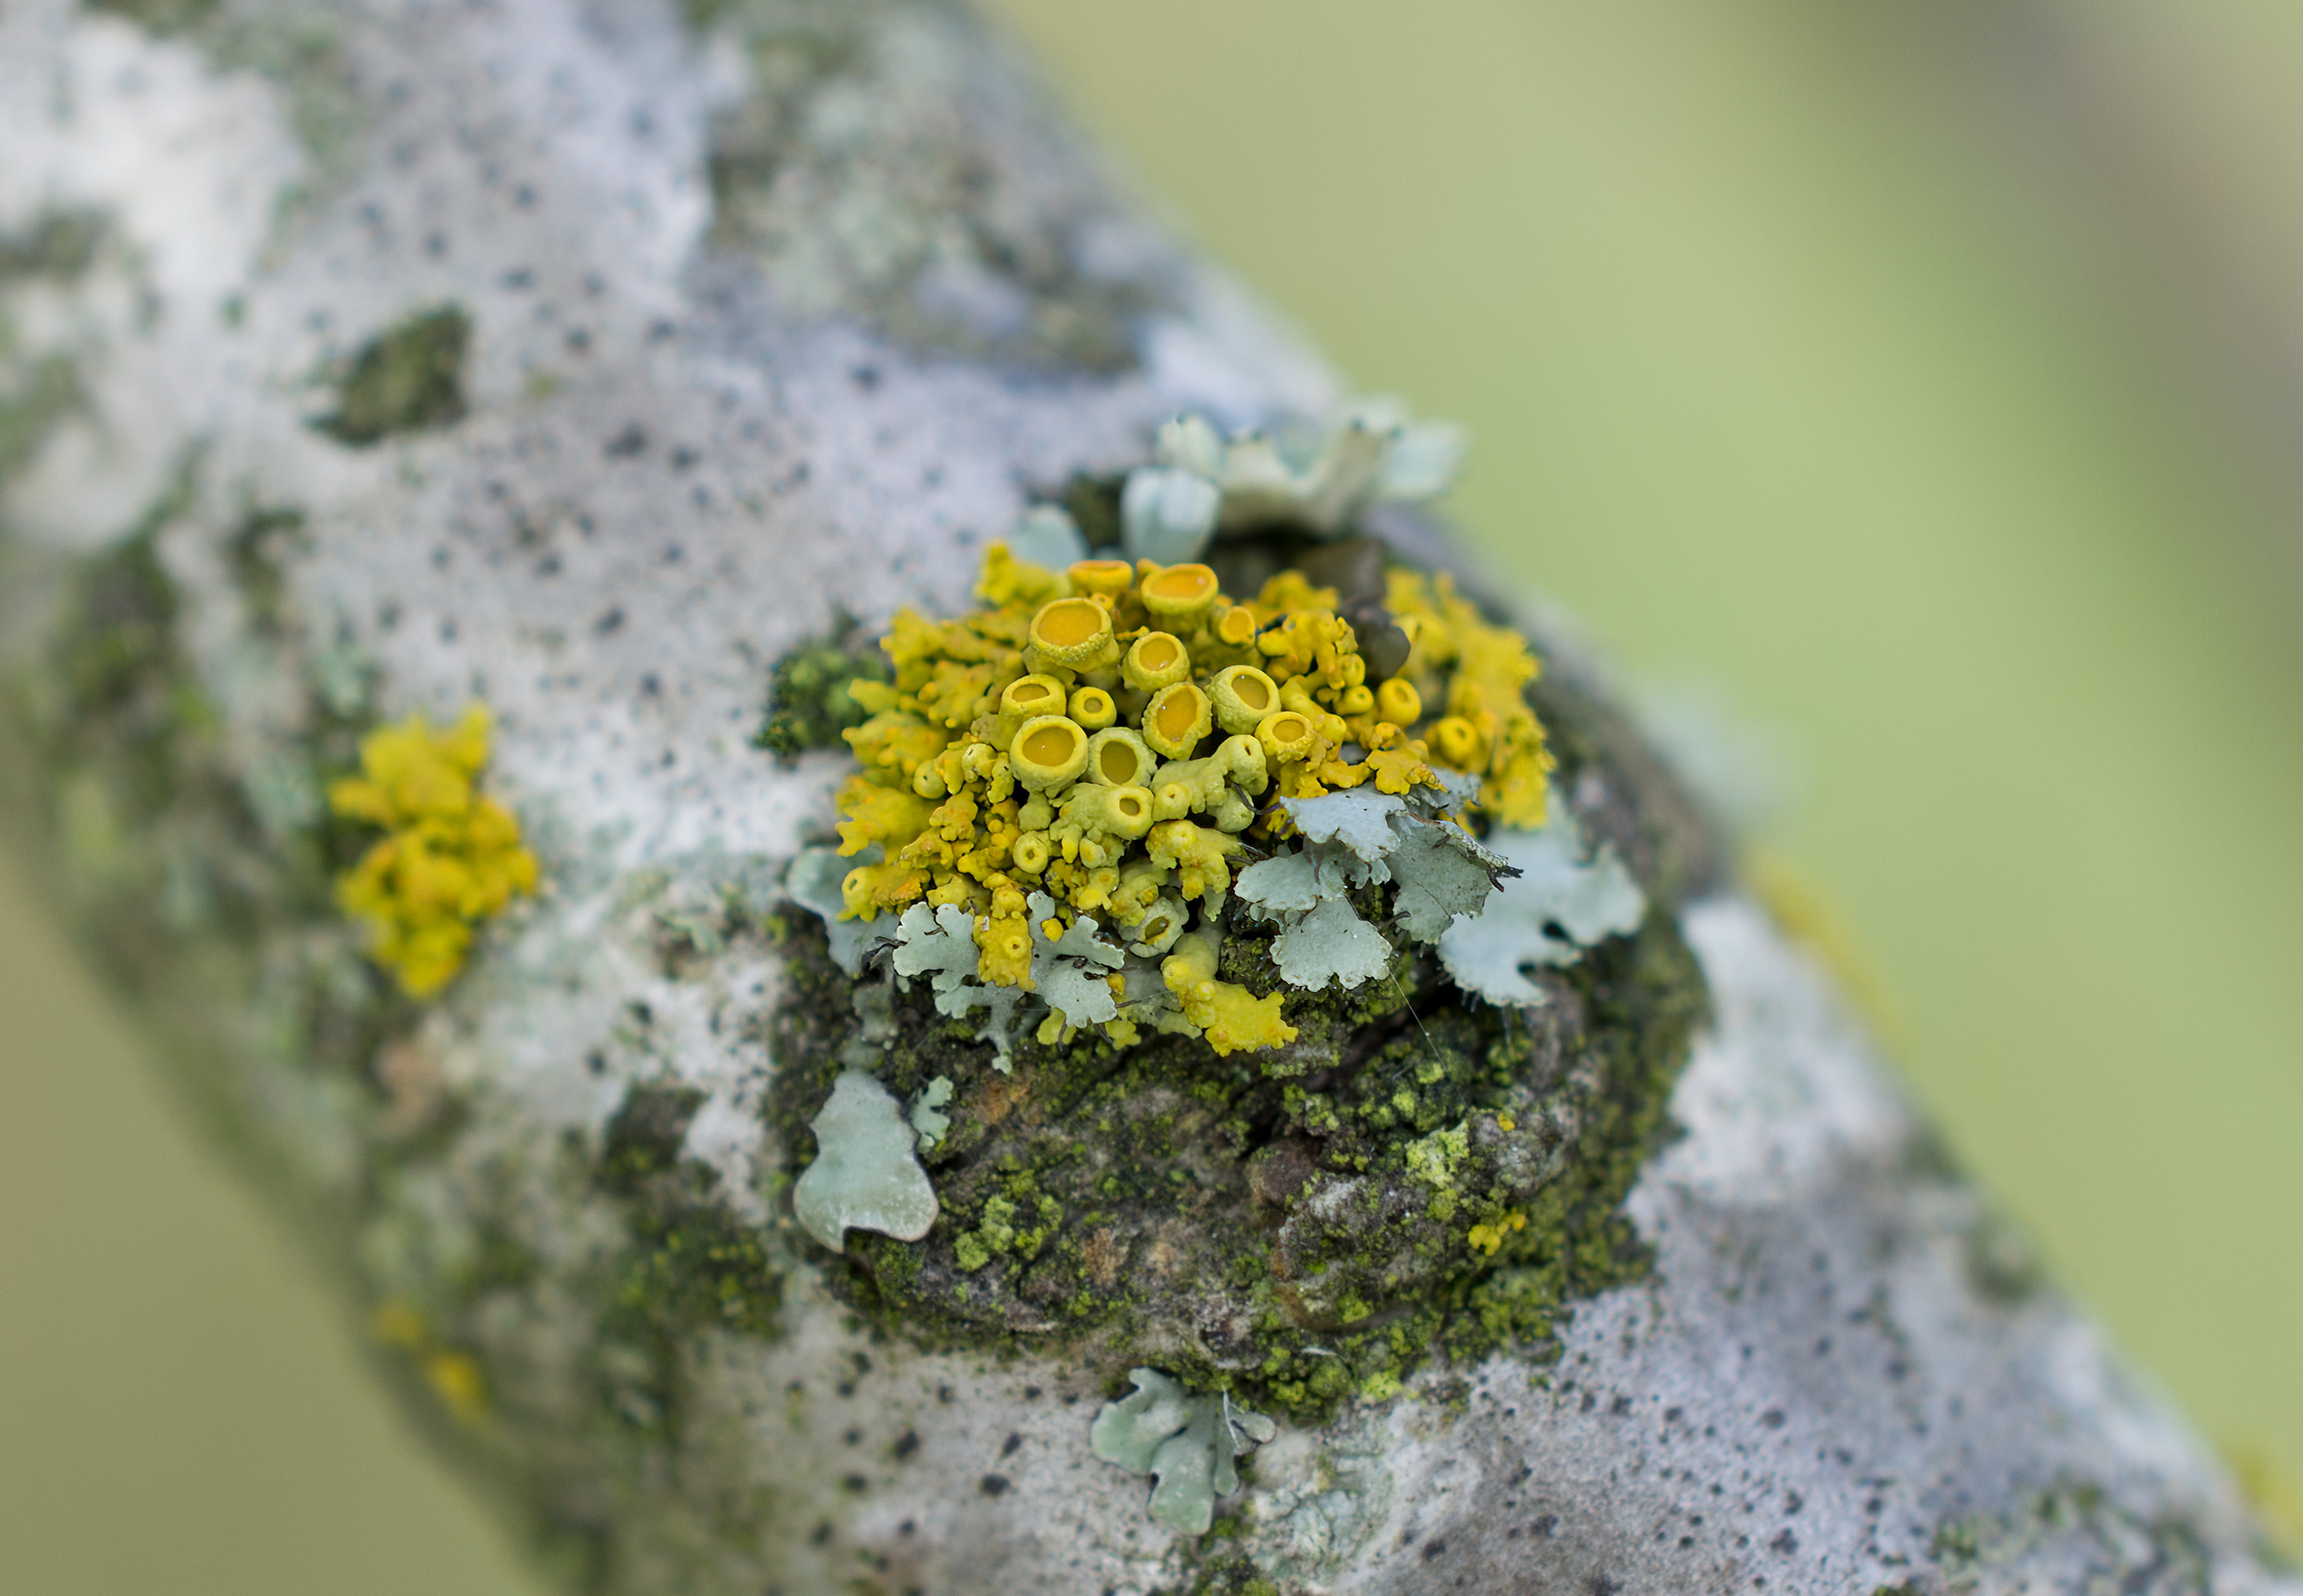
point(777, 312)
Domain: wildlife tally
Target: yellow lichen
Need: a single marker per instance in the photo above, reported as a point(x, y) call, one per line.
point(450, 856)
point(1477, 673)
point(1488, 1238)
point(1228, 1015)
point(1114, 736)
point(455, 1378)
point(2273, 1494)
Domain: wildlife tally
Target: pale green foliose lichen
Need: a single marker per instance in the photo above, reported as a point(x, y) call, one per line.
point(1048, 536)
point(865, 1177)
point(926, 1119)
point(1356, 839)
point(1187, 1442)
point(812, 882)
point(1559, 903)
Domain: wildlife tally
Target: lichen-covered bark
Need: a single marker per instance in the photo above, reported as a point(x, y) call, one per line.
point(590, 360)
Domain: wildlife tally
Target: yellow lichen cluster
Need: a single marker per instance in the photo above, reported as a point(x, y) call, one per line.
point(454, 1376)
point(1108, 734)
point(449, 858)
point(1477, 673)
point(1488, 1238)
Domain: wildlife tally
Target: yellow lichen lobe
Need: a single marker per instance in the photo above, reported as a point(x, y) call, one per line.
point(1486, 1238)
point(1478, 672)
point(450, 856)
point(1227, 1015)
point(455, 1378)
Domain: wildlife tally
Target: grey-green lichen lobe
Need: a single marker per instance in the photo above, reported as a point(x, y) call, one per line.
point(887, 160)
point(409, 378)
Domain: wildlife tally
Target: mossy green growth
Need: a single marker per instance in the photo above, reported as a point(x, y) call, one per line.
point(808, 702)
point(407, 379)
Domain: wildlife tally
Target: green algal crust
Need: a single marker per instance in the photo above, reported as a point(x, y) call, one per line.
point(1110, 1203)
point(409, 378)
point(1417, 1176)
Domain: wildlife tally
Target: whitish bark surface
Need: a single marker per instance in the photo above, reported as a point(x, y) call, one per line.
point(754, 318)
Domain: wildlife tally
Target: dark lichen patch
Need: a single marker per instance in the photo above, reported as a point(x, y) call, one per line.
point(643, 1138)
point(1230, 1576)
point(166, 18)
point(1414, 1176)
point(1093, 504)
point(689, 1264)
point(407, 379)
point(60, 245)
point(255, 555)
point(808, 702)
point(2002, 1265)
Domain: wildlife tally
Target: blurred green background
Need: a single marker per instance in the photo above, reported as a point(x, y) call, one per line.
point(1922, 375)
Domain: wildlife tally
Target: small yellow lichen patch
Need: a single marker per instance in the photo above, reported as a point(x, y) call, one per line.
point(1006, 959)
point(2273, 1494)
point(455, 1378)
point(451, 857)
point(1488, 1238)
point(1228, 1015)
